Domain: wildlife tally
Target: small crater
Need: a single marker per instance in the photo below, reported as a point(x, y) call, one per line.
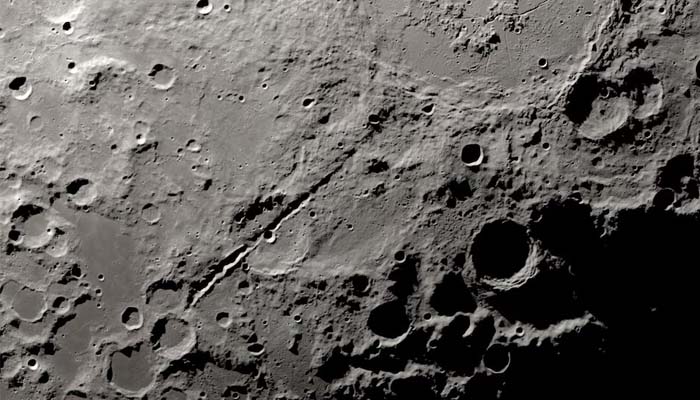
point(359, 285)
point(164, 295)
point(497, 358)
point(162, 76)
point(75, 185)
point(223, 319)
point(234, 392)
point(204, 7)
point(35, 123)
point(21, 88)
point(130, 369)
point(472, 154)
point(308, 102)
point(256, 349)
point(132, 318)
point(17, 83)
point(169, 332)
point(150, 213)
point(29, 304)
point(389, 320)
point(32, 364)
point(269, 236)
point(60, 305)
point(14, 235)
point(172, 337)
point(193, 146)
point(519, 331)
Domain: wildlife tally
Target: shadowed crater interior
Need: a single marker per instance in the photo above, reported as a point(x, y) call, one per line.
point(389, 320)
point(500, 249)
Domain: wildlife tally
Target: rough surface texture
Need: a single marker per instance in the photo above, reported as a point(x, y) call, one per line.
point(352, 199)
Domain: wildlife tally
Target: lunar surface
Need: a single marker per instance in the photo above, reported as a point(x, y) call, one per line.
point(349, 199)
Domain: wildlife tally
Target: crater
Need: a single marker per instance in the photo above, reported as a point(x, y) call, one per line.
point(497, 358)
point(223, 319)
point(389, 320)
point(204, 7)
point(130, 369)
point(29, 304)
point(472, 155)
point(172, 337)
point(150, 213)
point(21, 88)
point(162, 76)
point(500, 249)
point(75, 185)
point(131, 318)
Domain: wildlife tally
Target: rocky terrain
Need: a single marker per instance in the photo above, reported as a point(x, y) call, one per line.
point(351, 199)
